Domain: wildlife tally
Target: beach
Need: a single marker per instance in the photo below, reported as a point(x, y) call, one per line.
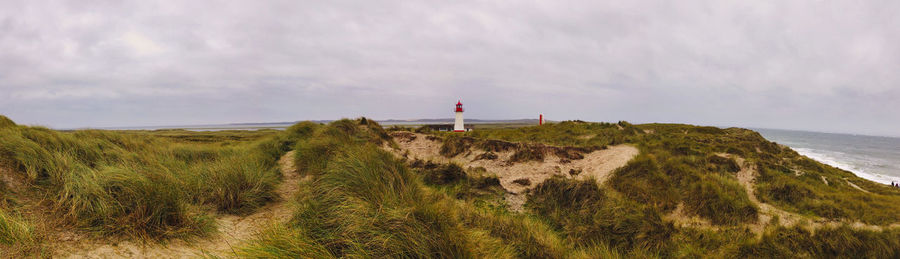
point(874, 158)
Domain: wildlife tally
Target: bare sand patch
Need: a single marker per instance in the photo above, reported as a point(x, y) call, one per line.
point(681, 219)
point(598, 164)
point(855, 186)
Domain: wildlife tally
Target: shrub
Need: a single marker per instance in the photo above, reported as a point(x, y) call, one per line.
point(527, 153)
point(588, 216)
point(487, 156)
point(492, 145)
point(6, 122)
point(642, 180)
point(721, 200)
point(455, 145)
point(722, 164)
point(445, 174)
point(827, 242)
point(787, 192)
point(522, 181)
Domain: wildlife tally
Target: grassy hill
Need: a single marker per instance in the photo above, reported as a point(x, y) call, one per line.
point(690, 192)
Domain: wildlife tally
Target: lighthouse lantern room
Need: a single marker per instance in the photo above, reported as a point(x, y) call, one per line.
point(459, 126)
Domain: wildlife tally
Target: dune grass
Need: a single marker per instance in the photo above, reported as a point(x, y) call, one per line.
point(361, 201)
point(829, 242)
point(137, 184)
point(694, 166)
point(17, 236)
point(365, 203)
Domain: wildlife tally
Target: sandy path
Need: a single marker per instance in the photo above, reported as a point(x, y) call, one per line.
point(598, 165)
point(232, 230)
point(680, 218)
point(746, 177)
point(856, 186)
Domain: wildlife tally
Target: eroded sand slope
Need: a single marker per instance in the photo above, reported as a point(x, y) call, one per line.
point(598, 164)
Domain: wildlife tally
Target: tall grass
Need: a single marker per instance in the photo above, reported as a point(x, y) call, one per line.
point(722, 200)
point(236, 183)
point(6, 122)
point(14, 231)
point(361, 201)
point(839, 242)
point(138, 184)
point(589, 215)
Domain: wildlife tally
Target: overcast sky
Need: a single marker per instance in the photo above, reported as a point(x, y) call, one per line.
point(829, 66)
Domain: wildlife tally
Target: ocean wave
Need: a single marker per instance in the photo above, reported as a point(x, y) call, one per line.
point(830, 159)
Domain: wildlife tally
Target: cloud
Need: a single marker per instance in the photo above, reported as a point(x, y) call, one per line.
point(815, 65)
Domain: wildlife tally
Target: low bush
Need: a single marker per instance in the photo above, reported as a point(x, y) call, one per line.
point(828, 242)
point(6, 122)
point(644, 181)
point(445, 174)
point(527, 153)
point(720, 199)
point(722, 164)
point(522, 181)
point(454, 145)
point(588, 215)
point(487, 156)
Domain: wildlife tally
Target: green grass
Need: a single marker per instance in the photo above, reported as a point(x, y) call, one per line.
point(365, 203)
point(140, 184)
point(682, 164)
point(839, 242)
point(359, 200)
point(16, 235)
point(587, 215)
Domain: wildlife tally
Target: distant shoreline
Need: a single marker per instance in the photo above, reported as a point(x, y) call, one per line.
point(284, 125)
point(874, 158)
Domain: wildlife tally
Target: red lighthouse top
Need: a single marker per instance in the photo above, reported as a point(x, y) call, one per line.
point(459, 106)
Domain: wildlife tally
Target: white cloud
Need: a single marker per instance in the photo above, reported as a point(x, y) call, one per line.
point(799, 64)
point(141, 45)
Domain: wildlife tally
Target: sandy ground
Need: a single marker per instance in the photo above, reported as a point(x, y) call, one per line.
point(681, 219)
point(232, 231)
point(856, 186)
point(597, 165)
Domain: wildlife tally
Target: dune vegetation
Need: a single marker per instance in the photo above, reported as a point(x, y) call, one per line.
point(691, 192)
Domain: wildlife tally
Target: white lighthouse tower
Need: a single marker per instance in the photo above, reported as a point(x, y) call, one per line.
point(459, 126)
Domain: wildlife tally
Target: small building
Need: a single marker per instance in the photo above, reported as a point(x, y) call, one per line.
point(448, 127)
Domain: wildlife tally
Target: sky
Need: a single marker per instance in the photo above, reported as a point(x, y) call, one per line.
point(830, 66)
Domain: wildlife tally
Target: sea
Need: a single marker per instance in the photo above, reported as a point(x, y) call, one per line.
point(870, 157)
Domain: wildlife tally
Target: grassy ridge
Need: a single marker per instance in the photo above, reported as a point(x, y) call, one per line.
point(358, 200)
point(363, 202)
point(683, 163)
point(133, 184)
point(693, 166)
